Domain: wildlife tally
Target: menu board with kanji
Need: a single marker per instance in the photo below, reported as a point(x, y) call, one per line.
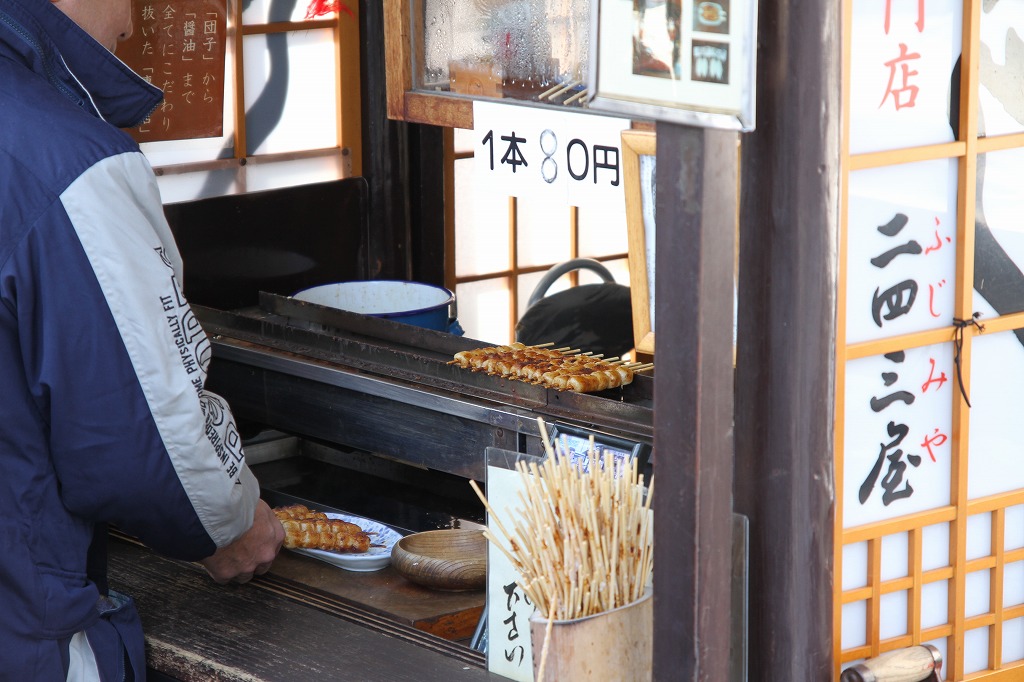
point(179, 46)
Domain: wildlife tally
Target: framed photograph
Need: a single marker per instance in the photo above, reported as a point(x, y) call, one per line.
point(684, 61)
point(638, 174)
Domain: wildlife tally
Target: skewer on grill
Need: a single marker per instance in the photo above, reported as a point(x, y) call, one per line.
point(560, 368)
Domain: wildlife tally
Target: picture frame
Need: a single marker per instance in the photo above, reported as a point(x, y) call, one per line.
point(691, 62)
point(639, 178)
point(577, 441)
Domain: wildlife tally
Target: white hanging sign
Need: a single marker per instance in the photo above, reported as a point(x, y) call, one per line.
point(539, 152)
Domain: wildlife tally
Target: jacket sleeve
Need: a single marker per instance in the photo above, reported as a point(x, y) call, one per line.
point(120, 363)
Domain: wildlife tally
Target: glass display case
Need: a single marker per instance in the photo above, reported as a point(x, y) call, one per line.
point(443, 54)
point(523, 49)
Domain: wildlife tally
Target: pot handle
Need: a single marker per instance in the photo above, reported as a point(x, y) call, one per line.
point(557, 271)
point(453, 318)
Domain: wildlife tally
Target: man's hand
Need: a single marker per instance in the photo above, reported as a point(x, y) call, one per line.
point(252, 554)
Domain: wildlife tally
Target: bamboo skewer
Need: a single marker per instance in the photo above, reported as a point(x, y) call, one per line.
point(579, 95)
point(544, 437)
point(558, 90)
point(581, 541)
point(547, 640)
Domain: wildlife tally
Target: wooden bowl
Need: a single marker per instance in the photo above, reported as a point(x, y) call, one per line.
point(452, 560)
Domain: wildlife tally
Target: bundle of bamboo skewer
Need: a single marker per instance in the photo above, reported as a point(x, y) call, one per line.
point(582, 542)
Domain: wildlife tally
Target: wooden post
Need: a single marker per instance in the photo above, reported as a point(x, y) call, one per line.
point(694, 263)
point(400, 162)
point(785, 369)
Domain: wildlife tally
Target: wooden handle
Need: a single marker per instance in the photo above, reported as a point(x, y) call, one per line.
point(912, 664)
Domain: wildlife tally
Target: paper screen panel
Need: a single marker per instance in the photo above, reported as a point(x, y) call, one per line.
point(855, 617)
point(897, 436)
point(979, 536)
point(979, 585)
point(975, 650)
point(901, 250)
point(900, 80)
point(481, 225)
point(1013, 533)
point(1000, 96)
point(934, 604)
point(894, 556)
point(935, 546)
point(908, 570)
point(1013, 584)
point(893, 615)
point(538, 242)
point(855, 565)
point(999, 234)
point(291, 100)
point(1013, 640)
point(997, 395)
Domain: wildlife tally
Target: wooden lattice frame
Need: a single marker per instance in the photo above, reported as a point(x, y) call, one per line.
point(346, 37)
point(959, 512)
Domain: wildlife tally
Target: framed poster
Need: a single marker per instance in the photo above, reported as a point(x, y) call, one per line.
point(684, 61)
point(638, 174)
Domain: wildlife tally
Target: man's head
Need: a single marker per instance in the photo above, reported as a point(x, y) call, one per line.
point(108, 21)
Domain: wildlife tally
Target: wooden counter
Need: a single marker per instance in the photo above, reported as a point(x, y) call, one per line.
point(451, 615)
point(278, 629)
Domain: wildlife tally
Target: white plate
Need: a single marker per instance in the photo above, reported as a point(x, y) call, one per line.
point(373, 560)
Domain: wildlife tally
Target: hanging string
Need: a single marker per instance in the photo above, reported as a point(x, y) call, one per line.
point(958, 346)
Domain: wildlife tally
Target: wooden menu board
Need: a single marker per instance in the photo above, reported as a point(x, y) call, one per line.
point(179, 46)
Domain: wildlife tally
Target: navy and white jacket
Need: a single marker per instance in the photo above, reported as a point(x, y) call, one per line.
point(103, 414)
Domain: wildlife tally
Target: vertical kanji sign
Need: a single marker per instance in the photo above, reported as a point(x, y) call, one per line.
point(179, 46)
point(901, 252)
point(900, 79)
point(509, 649)
point(898, 433)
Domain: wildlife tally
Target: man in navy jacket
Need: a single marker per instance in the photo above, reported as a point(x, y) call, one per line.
point(104, 417)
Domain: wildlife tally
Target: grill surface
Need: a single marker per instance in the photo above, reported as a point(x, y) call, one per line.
point(387, 387)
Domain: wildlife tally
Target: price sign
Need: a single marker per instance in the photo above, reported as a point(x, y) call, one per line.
point(525, 151)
